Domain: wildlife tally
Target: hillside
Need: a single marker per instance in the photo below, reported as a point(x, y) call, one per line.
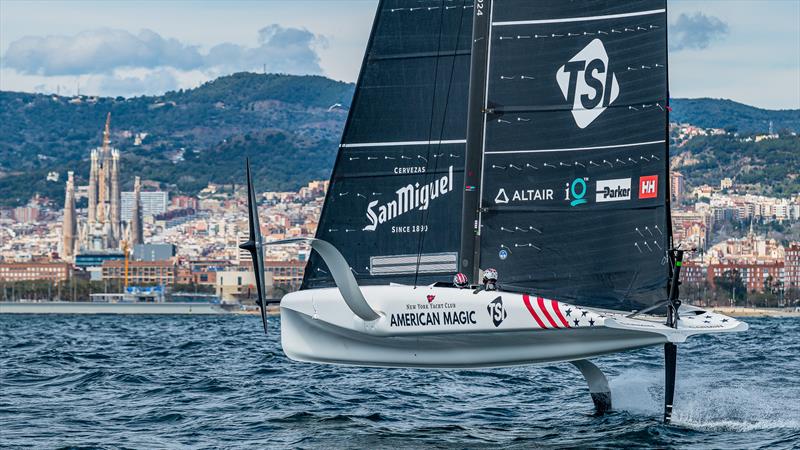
point(732, 116)
point(202, 135)
point(193, 137)
point(770, 167)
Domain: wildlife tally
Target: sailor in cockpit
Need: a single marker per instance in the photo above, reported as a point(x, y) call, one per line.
point(490, 280)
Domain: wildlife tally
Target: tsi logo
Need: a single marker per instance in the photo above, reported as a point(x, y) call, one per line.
point(613, 190)
point(587, 83)
point(496, 311)
point(648, 186)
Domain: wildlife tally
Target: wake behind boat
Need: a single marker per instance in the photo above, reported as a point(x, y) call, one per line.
point(551, 118)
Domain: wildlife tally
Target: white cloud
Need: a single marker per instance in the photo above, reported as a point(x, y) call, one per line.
point(284, 50)
point(695, 31)
point(101, 51)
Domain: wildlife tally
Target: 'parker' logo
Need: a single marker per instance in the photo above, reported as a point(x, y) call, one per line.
point(587, 83)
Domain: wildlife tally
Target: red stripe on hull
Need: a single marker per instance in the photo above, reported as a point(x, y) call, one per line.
point(527, 300)
point(540, 301)
point(558, 313)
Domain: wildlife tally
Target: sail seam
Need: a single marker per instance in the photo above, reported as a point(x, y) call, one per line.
point(402, 143)
point(600, 147)
point(579, 19)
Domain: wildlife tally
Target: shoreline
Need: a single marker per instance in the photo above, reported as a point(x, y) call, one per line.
point(741, 311)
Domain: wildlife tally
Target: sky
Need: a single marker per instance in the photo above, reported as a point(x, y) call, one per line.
point(747, 51)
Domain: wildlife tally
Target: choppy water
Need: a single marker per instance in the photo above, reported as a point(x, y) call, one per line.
point(153, 382)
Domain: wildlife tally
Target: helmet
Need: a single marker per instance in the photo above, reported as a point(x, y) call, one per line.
point(489, 276)
point(460, 280)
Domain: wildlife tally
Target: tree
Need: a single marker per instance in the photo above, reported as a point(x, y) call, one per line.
point(731, 282)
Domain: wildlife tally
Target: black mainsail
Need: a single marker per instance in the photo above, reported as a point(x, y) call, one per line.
point(393, 207)
point(552, 119)
point(574, 198)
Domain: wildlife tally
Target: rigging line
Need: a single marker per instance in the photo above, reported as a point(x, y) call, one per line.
point(426, 212)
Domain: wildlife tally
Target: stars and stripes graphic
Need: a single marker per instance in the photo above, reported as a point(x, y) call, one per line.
point(550, 314)
point(546, 313)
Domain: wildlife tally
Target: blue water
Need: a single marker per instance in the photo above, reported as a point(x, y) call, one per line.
point(154, 382)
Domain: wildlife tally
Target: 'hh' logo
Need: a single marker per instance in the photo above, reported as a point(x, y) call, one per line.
point(648, 186)
point(587, 83)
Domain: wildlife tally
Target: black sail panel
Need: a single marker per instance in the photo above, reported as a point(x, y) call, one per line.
point(394, 202)
point(574, 195)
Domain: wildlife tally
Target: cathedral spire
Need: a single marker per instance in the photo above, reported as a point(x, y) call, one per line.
point(115, 196)
point(68, 228)
point(107, 135)
point(92, 191)
point(137, 236)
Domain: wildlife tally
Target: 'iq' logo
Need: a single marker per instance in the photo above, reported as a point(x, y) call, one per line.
point(576, 191)
point(587, 83)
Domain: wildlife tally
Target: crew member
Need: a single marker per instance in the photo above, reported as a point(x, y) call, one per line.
point(460, 281)
point(490, 280)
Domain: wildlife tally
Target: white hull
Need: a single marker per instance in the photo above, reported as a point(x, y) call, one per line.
point(459, 328)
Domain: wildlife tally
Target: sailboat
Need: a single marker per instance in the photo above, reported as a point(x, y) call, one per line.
point(529, 137)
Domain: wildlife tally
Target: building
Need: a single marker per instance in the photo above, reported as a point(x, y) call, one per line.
point(141, 272)
point(184, 202)
point(243, 257)
point(69, 225)
point(238, 285)
point(33, 271)
point(103, 228)
point(694, 272)
point(153, 203)
point(26, 214)
point(96, 259)
point(153, 252)
point(676, 186)
point(286, 274)
point(102, 231)
point(791, 271)
point(756, 275)
point(135, 219)
point(748, 248)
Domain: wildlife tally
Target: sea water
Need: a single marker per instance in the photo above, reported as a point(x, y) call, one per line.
point(185, 381)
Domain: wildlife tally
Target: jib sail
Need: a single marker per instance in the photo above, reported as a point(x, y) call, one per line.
point(574, 196)
point(393, 207)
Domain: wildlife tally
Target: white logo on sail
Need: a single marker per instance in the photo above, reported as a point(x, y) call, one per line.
point(524, 195)
point(501, 197)
point(409, 197)
point(587, 83)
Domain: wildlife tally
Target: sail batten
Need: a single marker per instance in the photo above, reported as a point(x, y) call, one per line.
point(576, 149)
point(578, 19)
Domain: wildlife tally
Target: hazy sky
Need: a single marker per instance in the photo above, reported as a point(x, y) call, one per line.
point(748, 51)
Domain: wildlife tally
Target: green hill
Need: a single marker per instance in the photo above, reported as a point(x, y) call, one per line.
point(193, 137)
point(202, 135)
point(770, 167)
point(732, 116)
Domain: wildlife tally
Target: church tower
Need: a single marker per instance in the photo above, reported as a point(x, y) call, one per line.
point(137, 235)
point(92, 214)
point(69, 227)
point(115, 197)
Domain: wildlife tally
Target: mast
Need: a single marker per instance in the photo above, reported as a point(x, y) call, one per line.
point(469, 254)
